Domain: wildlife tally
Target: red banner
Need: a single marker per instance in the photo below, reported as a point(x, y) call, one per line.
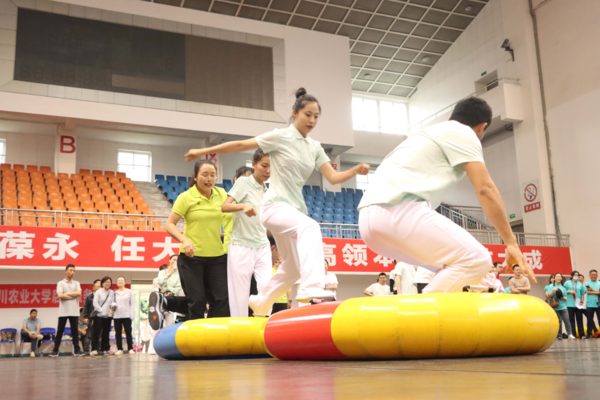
point(141, 250)
point(37, 296)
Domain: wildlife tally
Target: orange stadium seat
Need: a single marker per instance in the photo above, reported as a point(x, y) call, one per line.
point(9, 195)
point(130, 186)
point(84, 171)
point(125, 199)
point(51, 187)
point(51, 182)
point(18, 167)
point(45, 219)
point(139, 201)
point(24, 191)
point(91, 185)
point(121, 175)
point(45, 169)
point(95, 221)
point(38, 181)
point(49, 175)
point(121, 192)
point(71, 202)
point(101, 205)
point(116, 206)
point(9, 203)
point(84, 197)
point(86, 204)
point(39, 202)
point(109, 173)
point(64, 182)
point(54, 196)
point(125, 180)
point(96, 172)
point(98, 197)
point(38, 188)
point(76, 177)
point(130, 208)
point(78, 183)
point(58, 208)
point(25, 204)
point(69, 196)
point(56, 203)
point(95, 190)
point(24, 179)
point(67, 189)
point(23, 186)
point(111, 198)
point(28, 218)
point(100, 178)
point(36, 174)
point(88, 178)
point(32, 168)
point(62, 175)
point(134, 193)
point(5, 167)
point(9, 189)
point(118, 186)
point(42, 207)
point(81, 190)
point(143, 208)
point(104, 185)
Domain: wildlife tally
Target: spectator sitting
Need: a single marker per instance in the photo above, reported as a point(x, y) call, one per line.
point(491, 279)
point(31, 331)
point(380, 288)
point(519, 284)
point(507, 289)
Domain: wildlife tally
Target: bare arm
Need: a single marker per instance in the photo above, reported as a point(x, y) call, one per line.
point(237, 146)
point(25, 329)
point(589, 290)
point(331, 287)
point(172, 230)
point(399, 284)
point(491, 202)
point(37, 329)
point(64, 296)
point(368, 293)
point(229, 207)
point(335, 178)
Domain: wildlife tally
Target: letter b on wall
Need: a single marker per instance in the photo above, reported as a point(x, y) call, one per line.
point(67, 144)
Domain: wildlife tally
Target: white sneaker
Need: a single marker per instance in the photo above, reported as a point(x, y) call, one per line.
point(572, 337)
point(118, 353)
point(306, 295)
point(152, 352)
point(94, 353)
point(32, 354)
point(253, 307)
point(40, 337)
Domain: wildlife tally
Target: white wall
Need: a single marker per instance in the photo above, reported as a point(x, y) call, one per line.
point(30, 148)
point(571, 72)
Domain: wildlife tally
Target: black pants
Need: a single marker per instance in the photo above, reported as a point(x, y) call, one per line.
point(101, 334)
point(74, 325)
point(278, 307)
point(589, 314)
point(576, 314)
point(119, 324)
point(204, 280)
point(27, 339)
point(420, 287)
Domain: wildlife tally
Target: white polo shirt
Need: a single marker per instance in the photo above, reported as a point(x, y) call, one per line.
point(428, 164)
point(379, 290)
point(248, 231)
point(407, 272)
point(293, 159)
point(331, 279)
point(423, 275)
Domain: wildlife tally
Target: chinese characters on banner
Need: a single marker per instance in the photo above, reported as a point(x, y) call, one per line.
point(137, 250)
point(37, 296)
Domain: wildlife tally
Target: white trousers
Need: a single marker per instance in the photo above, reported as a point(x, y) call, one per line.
point(242, 262)
point(412, 232)
point(300, 245)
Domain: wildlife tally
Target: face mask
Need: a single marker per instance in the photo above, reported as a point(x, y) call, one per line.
point(575, 278)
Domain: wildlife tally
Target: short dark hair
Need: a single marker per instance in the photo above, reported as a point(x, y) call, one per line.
point(516, 266)
point(302, 99)
point(106, 278)
point(81, 310)
point(496, 263)
point(510, 278)
point(327, 261)
point(241, 171)
point(97, 280)
point(69, 266)
point(383, 273)
point(164, 266)
point(173, 255)
point(197, 168)
point(472, 111)
point(272, 240)
point(593, 271)
point(32, 311)
point(258, 155)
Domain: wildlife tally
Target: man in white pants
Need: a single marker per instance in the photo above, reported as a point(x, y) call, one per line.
point(249, 248)
point(397, 218)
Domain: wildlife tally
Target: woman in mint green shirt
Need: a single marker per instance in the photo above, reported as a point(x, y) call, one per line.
point(575, 291)
point(559, 292)
point(294, 156)
point(549, 287)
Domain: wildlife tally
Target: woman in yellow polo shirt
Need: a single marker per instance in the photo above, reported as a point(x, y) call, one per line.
point(294, 156)
point(202, 262)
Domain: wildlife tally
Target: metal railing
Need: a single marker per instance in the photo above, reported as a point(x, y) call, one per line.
point(523, 239)
point(86, 220)
point(469, 218)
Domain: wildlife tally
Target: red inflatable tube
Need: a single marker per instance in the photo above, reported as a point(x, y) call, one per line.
point(303, 333)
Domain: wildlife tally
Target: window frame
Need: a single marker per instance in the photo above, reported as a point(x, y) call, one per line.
point(149, 166)
point(3, 151)
point(360, 124)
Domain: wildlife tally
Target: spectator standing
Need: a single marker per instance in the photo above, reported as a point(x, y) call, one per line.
point(202, 262)
point(68, 291)
point(103, 299)
point(592, 291)
point(548, 287)
point(331, 282)
point(519, 284)
point(575, 297)
point(380, 288)
point(491, 280)
point(30, 332)
point(405, 278)
point(88, 316)
point(422, 278)
point(146, 334)
point(507, 289)
point(559, 292)
point(123, 316)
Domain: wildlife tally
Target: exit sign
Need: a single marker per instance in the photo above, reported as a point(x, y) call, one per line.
point(483, 73)
point(512, 215)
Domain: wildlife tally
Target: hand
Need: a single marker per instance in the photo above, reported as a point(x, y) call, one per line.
point(86, 321)
point(514, 256)
point(32, 335)
point(188, 247)
point(362, 169)
point(193, 154)
point(289, 305)
point(83, 332)
point(249, 210)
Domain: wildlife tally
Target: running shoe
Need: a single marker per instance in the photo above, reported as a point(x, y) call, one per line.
point(156, 310)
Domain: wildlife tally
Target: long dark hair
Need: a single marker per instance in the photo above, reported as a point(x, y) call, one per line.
point(302, 98)
point(197, 167)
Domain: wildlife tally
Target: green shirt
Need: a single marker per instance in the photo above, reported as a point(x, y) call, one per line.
point(579, 290)
point(428, 164)
point(293, 159)
point(227, 224)
point(202, 220)
point(169, 283)
point(592, 299)
point(248, 231)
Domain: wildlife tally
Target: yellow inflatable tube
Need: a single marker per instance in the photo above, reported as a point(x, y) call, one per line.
point(443, 325)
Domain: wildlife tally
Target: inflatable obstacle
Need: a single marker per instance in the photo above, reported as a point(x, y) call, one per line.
point(389, 327)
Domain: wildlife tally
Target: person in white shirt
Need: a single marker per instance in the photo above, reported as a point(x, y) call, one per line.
point(68, 291)
point(331, 282)
point(397, 213)
point(422, 278)
point(124, 315)
point(380, 288)
point(405, 278)
point(294, 156)
point(146, 334)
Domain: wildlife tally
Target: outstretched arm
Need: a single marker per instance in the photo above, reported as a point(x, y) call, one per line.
point(335, 178)
point(491, 202)
point(237, 146)
point(229, 207)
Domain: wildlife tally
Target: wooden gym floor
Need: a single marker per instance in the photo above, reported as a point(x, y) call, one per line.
point(568, 370)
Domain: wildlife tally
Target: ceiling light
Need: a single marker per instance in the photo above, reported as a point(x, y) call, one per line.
point(367, 76)
point(468, 8)
point(426, 59)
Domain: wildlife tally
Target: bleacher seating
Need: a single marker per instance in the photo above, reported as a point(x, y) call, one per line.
point(39, 190)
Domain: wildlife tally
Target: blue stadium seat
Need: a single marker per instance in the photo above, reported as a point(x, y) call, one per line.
point(343, 190)
point(327, 218)
point(328, 210)
point(310, 192)
point(349, 215)
point(319, 204)
point(349, 190)
point(227, 186)
point(317, 217)
point(158, 177)
point(329, 203)
point(320, 194)
point(305, 188)
point(227, 182)
point(182, 179)
point(359, 191)
point(171, 178)
point(339, 210)
point(220, 185)
point(161, 183)
point(339, 194)
point(338, 219)
point(329, 195)
point(340, 202)
point(316, 188)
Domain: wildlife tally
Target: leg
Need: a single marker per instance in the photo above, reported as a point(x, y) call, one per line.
point(145, 346)
point(262, 267)
point(597, 312)
point(74, 324)
point(26, 339)
point(411, 232)
point(579, 319)
point(192, 281)
point(240, 264)
point(119, 333)
point(215, 285)
point(571, 311)
point(565, 317)
point(62, 322)
point(128, 334)
point(589, 315)
point(560, 323)
point(278, 307)
point(105, 343)
point(96, 334)
point(420, 287)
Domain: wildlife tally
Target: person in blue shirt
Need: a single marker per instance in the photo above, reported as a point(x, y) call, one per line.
point(559, 292)
point(592, 291)
point(507, 288)
point(575, 291)
point(549, 287)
